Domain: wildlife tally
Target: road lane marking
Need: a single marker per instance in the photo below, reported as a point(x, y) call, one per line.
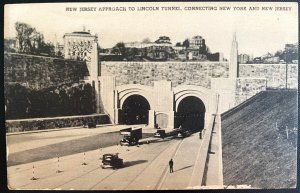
point(153, 147)
point(164, 174)
point(152, 161)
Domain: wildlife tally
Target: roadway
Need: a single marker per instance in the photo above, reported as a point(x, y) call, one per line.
point(34, 146)
point(145, 168)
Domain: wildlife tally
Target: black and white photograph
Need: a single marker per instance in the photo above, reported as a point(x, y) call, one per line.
point(151, 95)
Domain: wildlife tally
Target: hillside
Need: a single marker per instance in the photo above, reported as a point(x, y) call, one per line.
point(255, 152)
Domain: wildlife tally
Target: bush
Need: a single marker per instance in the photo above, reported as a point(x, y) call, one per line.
point(22, 102)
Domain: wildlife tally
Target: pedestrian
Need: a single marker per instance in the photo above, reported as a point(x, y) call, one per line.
point(200, 134)
point(171, 165)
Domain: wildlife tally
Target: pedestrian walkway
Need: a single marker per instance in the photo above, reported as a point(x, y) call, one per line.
point(214, 175)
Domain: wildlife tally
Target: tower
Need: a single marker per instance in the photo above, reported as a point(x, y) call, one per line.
point(233, 64)
point(83, 46)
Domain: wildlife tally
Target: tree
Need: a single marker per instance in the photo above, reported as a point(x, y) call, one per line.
point(146, 40)
point(186, 43)
point(208, 50)
point(17, 102)
point(178, 44)
point(163, 39)
point(132, 53)
point(279, 53)
point(31, 41)
point(24, 36)
point(47, 48)
point(9, 45)
point(120, 49)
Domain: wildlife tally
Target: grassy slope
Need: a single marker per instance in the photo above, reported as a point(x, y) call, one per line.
point(254, 151)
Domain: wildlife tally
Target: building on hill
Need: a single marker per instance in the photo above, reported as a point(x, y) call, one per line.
point(197, 42)
point(218, 56)
point(161, 49)
point(180, 52)
point(197, 49)
point(291, 47)
point(290, 54)
point(243, 58)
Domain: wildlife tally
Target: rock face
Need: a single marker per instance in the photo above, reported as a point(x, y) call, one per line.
point(256, 150)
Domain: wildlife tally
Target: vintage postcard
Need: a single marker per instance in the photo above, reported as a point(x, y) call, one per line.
point(151, 96)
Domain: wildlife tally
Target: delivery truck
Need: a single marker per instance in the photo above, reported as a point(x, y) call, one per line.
point(131, 136)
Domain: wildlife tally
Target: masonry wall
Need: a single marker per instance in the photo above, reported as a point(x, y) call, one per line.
point(21, 125)
point(180, 73)
point(248, 87)
point(39, 86)
point(39, 72)
point(275, 74)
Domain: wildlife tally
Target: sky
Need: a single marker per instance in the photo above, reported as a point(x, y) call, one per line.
point(258, 32)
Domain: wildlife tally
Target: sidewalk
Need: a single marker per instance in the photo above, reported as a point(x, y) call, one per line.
point(214, 176)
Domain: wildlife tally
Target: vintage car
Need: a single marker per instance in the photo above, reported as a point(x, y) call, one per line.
point(160, 133)
point(111, 161)
point(183, 133)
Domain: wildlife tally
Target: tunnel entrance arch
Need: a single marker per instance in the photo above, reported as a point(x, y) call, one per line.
point(134, 110)
point(190, 114)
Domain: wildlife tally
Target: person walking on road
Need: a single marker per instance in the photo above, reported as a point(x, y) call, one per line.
point(171, 165)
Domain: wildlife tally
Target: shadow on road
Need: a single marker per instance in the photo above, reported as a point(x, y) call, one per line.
point(132, 163)
point(183, 168)
point(65, 148)
point(159, 140)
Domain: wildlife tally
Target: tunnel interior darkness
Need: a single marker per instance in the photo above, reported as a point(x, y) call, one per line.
point(190, 114)
point(135, 110)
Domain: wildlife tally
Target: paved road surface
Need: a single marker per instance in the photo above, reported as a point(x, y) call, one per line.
point(25, 148)
point(145, 167)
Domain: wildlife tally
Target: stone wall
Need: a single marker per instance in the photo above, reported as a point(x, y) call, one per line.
point(21, 125)
point(275, 74)
point(248, 87)
point(39, 72)
point(180, 73)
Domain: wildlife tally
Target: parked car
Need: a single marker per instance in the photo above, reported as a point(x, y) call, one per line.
point(160, 133)
point(111, 161)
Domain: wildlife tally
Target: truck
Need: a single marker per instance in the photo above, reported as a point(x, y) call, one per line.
point(131, 136)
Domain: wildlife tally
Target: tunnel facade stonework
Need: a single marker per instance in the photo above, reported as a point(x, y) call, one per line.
point(165, 84)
